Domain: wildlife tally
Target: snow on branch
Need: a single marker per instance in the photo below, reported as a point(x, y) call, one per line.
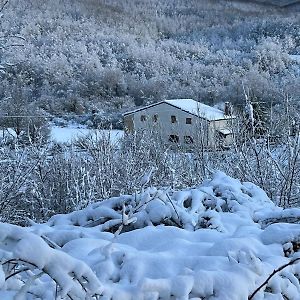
point(25, 255)
point(185, 209)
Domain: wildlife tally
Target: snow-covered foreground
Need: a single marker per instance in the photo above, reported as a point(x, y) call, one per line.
point(220, 240)
point(68, 134)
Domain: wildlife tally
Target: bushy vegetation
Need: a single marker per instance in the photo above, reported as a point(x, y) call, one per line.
point(41, 179)
point(222, 238)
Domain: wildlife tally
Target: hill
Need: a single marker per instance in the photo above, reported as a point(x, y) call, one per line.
point(110, 55)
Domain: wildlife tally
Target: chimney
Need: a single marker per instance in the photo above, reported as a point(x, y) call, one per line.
point(227, 109)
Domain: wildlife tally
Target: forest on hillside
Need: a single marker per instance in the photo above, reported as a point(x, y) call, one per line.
point(74, 57)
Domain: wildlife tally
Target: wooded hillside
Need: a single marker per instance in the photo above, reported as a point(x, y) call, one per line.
point(110, 55)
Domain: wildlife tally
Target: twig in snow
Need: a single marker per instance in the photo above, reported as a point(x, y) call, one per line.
point(179, 225)
point(271, 275)
point(3, 5)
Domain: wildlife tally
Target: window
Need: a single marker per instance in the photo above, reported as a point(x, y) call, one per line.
point(143, 118)
point(188, 139)
point(155, 118)
point(173, 138)
point(188, 121)
point(173, 119)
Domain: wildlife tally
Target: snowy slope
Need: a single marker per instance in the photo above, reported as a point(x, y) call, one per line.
point(69, 134)
point(220, 240)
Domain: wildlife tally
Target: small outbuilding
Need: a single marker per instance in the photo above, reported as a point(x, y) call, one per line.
point(184, 121)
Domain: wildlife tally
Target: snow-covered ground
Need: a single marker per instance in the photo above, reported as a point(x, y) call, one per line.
point(220, 240)
point(68, 134)
point(71, 133)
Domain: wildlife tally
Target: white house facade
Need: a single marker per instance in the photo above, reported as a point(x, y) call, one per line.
point(183, 121)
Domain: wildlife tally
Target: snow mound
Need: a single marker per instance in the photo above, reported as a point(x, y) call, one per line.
point(219, 240)
point(24, 254)
point(190, 209)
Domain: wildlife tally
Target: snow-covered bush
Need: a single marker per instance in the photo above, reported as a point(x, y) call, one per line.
point(95, 168)
point(214, 241)
point(188, 209)
point(30, 266)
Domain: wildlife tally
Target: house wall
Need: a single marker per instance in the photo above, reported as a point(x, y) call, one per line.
point(164, 125)
point(223, 124)
point(199, 129)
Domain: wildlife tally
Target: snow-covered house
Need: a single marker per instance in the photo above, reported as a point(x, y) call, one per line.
point(184, 121)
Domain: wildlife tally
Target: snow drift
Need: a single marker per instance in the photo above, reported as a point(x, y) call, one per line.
point(219, 240)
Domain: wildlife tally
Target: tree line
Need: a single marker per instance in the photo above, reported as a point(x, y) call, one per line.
point(109, 56)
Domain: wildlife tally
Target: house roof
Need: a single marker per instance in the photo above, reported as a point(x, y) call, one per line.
point(198, 109)
point(225, 131)
point(191, 106)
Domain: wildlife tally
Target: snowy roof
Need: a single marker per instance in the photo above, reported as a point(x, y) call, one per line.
point(198, 109)
point(225, 131)
point(193, 107)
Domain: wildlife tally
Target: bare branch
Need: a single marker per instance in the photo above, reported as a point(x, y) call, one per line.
point(3, 5)
point(271, 275)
